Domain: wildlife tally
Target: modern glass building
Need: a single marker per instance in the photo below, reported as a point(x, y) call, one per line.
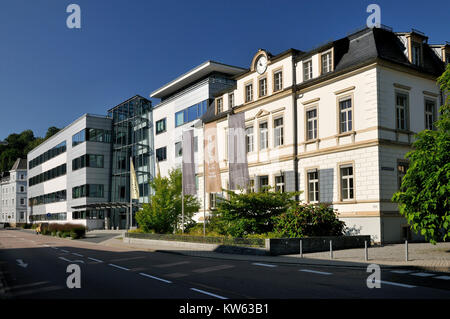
point(132, 137)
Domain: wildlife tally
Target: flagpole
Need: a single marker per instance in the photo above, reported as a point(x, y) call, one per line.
point(131, 197)
point(204, 183)
point(182, 189)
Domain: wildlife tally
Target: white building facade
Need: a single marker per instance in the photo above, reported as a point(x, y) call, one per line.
point(13, 194)
point(336, 122)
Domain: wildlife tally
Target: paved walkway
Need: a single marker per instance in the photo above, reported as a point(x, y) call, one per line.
point(421, 255)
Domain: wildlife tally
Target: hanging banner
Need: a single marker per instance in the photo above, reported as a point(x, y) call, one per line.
point(237, 152)
point(134, 183)
point(212, 170)
point(189, 186)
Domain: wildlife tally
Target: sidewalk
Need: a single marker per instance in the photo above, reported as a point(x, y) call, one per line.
point(422, 256)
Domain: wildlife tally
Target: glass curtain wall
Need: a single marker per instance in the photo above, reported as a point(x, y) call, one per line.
point(131, 137)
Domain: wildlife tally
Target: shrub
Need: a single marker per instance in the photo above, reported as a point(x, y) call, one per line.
point(309, 220)
point(253, 213)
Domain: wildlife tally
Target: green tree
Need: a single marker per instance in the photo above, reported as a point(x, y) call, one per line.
point(52, 130)
point(163, 214)
point(309, 220)
point(425, 191)
point(244, 214)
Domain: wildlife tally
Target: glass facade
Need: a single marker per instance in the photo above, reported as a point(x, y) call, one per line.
point(131, 138)
point(191, 113)
point(55, 151)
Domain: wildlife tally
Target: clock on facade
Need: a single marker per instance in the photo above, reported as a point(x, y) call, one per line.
point(261, 64)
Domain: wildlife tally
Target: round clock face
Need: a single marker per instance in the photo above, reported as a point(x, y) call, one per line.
point(261, 64)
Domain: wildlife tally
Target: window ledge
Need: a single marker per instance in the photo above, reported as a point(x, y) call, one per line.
point(312, 141)
point(346, 134)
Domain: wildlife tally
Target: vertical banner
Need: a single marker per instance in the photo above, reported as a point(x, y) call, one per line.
point(189, 186)
point(237, 152)
point(211, 170)
point(134, 183)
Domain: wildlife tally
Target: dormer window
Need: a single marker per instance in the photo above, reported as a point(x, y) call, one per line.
point(326, 62)
point(416, 55)
point(307, 70)
point(231, 100)
point(219, 105)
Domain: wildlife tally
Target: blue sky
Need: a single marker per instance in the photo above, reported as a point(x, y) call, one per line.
point(50, 75)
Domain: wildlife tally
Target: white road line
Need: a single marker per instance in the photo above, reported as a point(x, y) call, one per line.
point(64, 251)
point(208, 293)
point(54, 248)
point(97, 260)
point(79, 255)
point(264, 265)
point(422, 274)
point(316, 272)
point(394, 284)
point(214, 268)
point(153, 277)
point(65, 259)
point(443, 277)
point(173, 264)
point(401, 271)
point(123, 268)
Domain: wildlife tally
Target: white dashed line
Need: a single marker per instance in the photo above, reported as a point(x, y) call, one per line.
point(394, 284)
point(64, 251)
point(79, 255)
point(123, 268)
point(264, 265)
point(153, 277)
point(443, 277)
point(65, 259)
point(316, 272)
point(422, 274)
point(208, 293)
point(97, 260)
point(402, 271)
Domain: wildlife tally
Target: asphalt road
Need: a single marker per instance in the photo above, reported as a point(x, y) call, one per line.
point(35, 267)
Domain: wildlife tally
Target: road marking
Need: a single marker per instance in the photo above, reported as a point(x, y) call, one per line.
point(176, 275)
point(21, 263)
point(214, 268)
point(422, 274)
point(316, 272)
point(71, 261)
point(173, 264)
point(208, 293)
point(443, 277)
point(264, 265)
point(153, 277)
point(54, 248)
point(79, 255)
point(123, 268)
point(401, 271)
point(65, 259)
point(64, 251)
point(97, 260)
point(394, 284)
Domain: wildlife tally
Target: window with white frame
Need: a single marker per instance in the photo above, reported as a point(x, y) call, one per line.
point(178, 149)
point(22, 201)
point(250, 139)
point(313, 185)
point(251, 186)
point(430, 113)
point(347, 182)
point(416, 53)
point(325, 59)
point(212, 200)
point(278, 132)
point(279, 183)
point(278, 81)
point(263, 183)
point(311, 124)
point(249, 92)
point(345, 115)
point(402, 167)
point(307, 70)
point(263, 136)
point(230, 100)
point(219, 105)
point(401, 111)
point(262, 87)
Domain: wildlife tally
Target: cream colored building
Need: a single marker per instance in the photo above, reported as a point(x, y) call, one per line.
point(336, 122)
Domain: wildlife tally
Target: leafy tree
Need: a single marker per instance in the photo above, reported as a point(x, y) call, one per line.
point(309, 220)
point(425, 191)
point(52, 130)
point(163, 214)
point(245, 214)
